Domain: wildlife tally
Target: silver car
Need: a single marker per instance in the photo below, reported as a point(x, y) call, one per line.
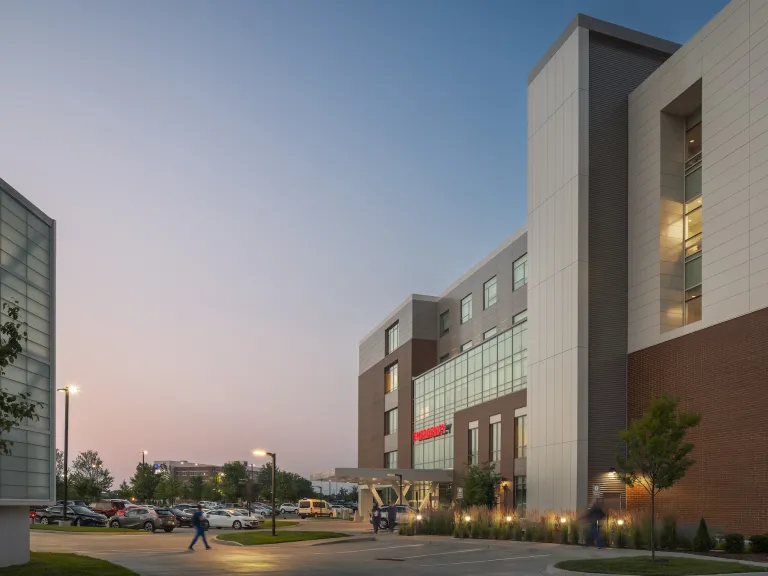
point(145, 519)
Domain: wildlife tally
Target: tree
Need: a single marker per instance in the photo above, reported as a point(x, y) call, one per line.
point(212, 488)
point(59, 474)
point(168, 487)
point(124, 491)
point(89, 478)
point(14, 408)
point(656, 454)
point(233, 482)
point(144, 482)
point(196, 488)
point(480, 485)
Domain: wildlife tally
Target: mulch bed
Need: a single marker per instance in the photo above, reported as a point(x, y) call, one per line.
point(746, 556)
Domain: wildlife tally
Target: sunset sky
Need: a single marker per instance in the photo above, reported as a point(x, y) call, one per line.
point(228, 178)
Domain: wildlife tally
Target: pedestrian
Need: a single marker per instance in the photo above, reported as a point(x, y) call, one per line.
point(594, 516)
point(376, 518)
point(392, 517)
point(197, 522)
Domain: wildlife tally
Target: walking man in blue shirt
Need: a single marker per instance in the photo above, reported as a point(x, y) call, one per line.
point(197, 521)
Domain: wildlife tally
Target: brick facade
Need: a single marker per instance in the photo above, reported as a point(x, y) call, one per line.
point(721, 372)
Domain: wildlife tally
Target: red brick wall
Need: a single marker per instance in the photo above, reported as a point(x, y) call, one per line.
point(721, 372)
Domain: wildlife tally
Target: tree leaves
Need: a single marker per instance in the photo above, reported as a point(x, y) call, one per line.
point(480, 485)
point(14, 408)
point(89, 478)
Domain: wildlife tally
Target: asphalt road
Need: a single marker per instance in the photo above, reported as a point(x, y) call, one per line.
point(164, 554)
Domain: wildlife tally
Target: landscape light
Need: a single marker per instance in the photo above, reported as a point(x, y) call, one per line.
point(509, 518)
point(418, 517)
point(563, 520)
point(467, 518)
point(620, 522)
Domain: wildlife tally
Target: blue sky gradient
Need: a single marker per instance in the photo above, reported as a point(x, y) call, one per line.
point(244, 189)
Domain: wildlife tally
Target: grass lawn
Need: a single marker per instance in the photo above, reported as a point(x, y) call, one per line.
point(256, 538)
point(663, 566)
point(96, 529)
point(278, 524)
point(53, 564)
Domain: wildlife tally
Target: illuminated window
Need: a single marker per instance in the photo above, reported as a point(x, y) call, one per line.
point(390, 422)
point(495, 436)
point(466, 309)
point(472, 445)
point(489, 293)
point(392, 338)
point(390, 379)
point(521, 436)
point(521, 492)
point(521, 271)
point(693, 221)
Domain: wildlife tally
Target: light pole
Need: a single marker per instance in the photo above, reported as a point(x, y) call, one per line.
point(67, 391)
point(143, 453)
point(274, 467)
point(400, 482)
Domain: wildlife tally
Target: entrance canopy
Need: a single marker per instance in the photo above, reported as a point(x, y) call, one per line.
point(381, 475)
point(373, 478)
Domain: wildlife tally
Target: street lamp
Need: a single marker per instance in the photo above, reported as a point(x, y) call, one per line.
point(67, 391)
point(400, 481)
point(274, 465)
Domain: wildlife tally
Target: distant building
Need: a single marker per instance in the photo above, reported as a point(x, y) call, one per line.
point(185, 470)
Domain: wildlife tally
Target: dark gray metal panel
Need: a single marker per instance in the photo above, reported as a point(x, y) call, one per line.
point(616, 68)
point(509, 302)
point(640, 39)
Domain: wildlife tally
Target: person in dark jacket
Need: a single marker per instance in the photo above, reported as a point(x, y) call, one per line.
point(594, 516)
point(392, 517)
point(376, 518)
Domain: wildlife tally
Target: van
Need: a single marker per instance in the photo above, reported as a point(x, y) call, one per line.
point(310, 507)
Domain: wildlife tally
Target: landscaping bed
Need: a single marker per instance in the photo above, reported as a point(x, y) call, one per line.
point(54, 564)
point(259, 538)
point(92, 529)
point(662, 566)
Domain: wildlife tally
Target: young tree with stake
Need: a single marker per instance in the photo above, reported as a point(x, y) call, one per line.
point(657, 455)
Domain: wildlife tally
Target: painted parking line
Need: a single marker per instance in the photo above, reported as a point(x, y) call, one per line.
point(368, 550)
point(484, 561)
point(440, 553)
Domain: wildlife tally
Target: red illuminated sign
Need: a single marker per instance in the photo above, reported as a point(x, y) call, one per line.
point(438, 430)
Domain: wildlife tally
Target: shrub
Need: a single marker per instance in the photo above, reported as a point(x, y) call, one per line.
point(573, 533)
point(406, 529)
point(621, 538)
point(589, 535)
point(437, 523)
point(636, 535)
point(669, 533)
point(542, 534)
point(759, 543)
point(702, 542)
point(457, 531)
point(734, 543)
point(530, 534)
point(492, 533)
point(509, 531)
point(517, 532)
point(564, 535)
point(683, 543)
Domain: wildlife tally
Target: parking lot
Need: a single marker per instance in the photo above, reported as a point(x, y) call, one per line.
point(164, 554)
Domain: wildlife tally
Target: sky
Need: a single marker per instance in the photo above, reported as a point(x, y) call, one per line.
point(244, 189)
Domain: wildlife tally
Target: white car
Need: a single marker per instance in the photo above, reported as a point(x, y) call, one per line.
point(244, 512)
point(227, 519)
point(286, 508)
point(339, 507)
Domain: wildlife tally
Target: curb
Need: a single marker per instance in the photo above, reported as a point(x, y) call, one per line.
point(227, 542)
point(347, 540)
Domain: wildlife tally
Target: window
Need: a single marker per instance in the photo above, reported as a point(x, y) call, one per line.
point(521, 436)
point(495, 442)
point(390, 421)
point(392, 338)
point(390, 379)
point(466, 346)
point(390, 459)
point(489, 333)
point(489, 293)
point(472, 445)
point(444, 357)
point(693, 220)
point(520, 273)
point(521, 492)
point(444, 323)
point(466, 309)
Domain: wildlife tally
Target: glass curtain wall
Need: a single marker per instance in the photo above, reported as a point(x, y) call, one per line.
point(494, 368)
point(693, 219)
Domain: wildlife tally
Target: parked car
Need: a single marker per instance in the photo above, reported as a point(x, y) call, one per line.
point(288, 508)
point(72, 503)
point(262, 510)
point(244, 512)
point(33, 510)
point(185, 506)
point(312, 507)
point(403, 515)
point(227, 519)
point(79, 515)
point(111, 507)
point(184, 517)
point(143, 518)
